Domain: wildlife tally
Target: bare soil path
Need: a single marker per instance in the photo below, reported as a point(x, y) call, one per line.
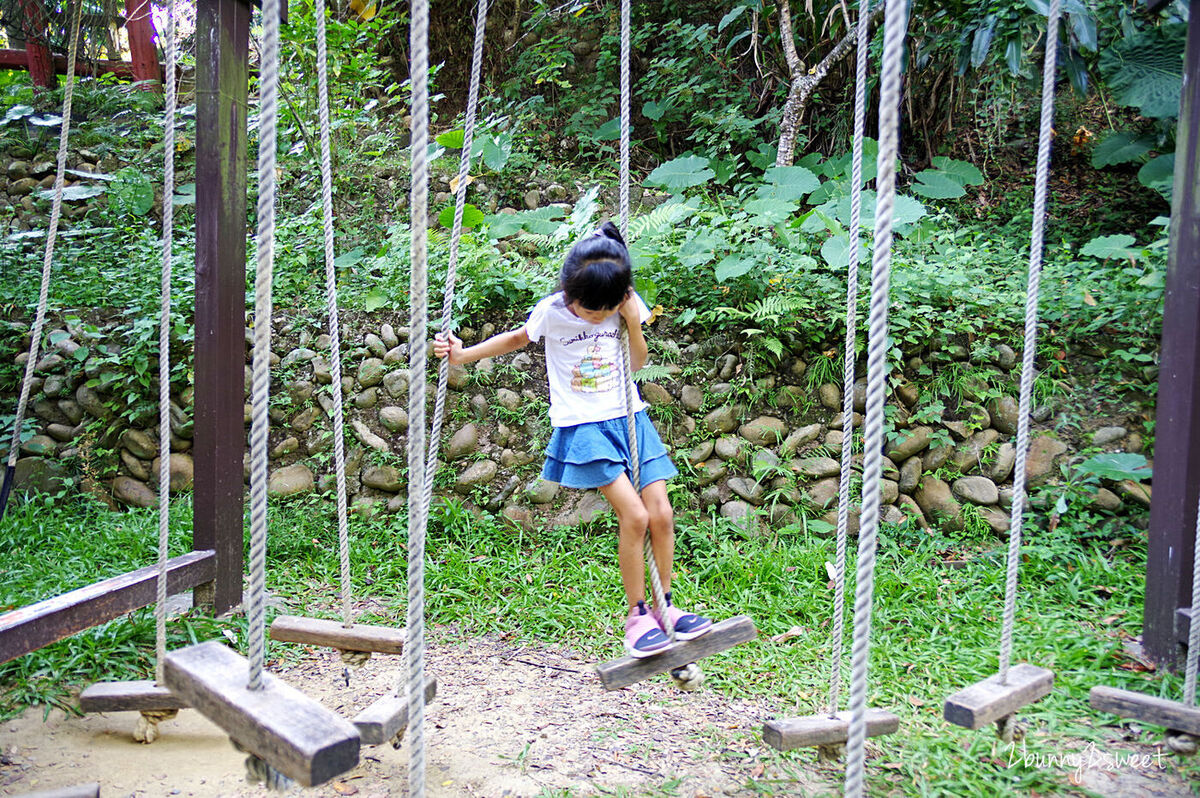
point(508, 721)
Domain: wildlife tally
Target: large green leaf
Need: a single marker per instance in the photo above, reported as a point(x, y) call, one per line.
point(472, 216)
point(701, 248)
point(1159, 174)
point(497, 148)
point(937, 185)
point(1120, 148)
point(542, 221)
point(964, 173)
point(451, 139)
point(1116, 246)
point(768, 211)
point(788, 182)
point(681, 174)
point(1118, 466)
point(732, 266)
point(906, 211)
point(1146, 71)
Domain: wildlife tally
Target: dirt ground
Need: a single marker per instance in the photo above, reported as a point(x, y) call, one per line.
point(508, 721)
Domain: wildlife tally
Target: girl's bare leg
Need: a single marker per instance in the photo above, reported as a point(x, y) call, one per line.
point(633, 520)
point(662, 529)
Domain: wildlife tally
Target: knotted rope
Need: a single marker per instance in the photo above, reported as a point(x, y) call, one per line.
point(895, 22)
point(1042, 180)
point(848, 356)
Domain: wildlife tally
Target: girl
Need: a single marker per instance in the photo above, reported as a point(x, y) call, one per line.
point(590, 444)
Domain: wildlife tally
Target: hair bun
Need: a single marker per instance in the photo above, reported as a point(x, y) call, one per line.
point(609, 230)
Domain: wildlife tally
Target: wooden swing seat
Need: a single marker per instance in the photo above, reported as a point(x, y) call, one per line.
point(335, 634)
point(990, 700)
point(289, 731)
point(724, 635)
point(137, 696)
point(387, 717)
point(1147, 709)
point(786, 734)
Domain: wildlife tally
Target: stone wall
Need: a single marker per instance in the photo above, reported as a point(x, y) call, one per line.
point(753, 450)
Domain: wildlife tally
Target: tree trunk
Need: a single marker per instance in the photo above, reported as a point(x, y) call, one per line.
point(804, 83)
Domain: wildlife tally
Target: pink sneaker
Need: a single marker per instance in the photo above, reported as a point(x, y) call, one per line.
point(643, 636)
point(687, 625)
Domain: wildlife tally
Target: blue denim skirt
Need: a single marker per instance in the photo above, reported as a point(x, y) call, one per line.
point(593, 455)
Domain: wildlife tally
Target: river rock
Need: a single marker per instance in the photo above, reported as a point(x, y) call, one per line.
point(383, 477)
point(371, 372)
point(700, 452)
point(375, 345)
point(1101, 437)
point(764, 431)
point(39, 475)
point(365, 400)
point(740, 513)
point(364, 434)
point(393, 419)
point(823, 493)
point(71, 409)
point(509, 400)
point(396, 383)
point(830, 396)
point(541, 491)
point(62, 432)
point(815, 467)
point(463, 442)
point(908, 393)
point(798, 439)
point(910, 475)
point(904, 446)
point(966, 456)
point(976, 490)
point(720, 421)
point(322, 371)
point(908, 505)
point(298, 355)
point(457, 377)
point(139, 444)
point(1004, 412)
point(181, 470)
point(790, 396)
point(692, 398)
point(285, 447)
point(833, 441)
point(729, 447)
point(133, 492)
point(657, 395)
point(1002, 463)
point(937, 502)
point(138, 469)
point(1135, 492)
point(304, 420)
point(996, 519)
point(747, 489)
point(1039, 462)
point(1105, 499)
point(90, 401)
point(709, 472)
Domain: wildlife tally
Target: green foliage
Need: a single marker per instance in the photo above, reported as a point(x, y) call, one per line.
point(1146, 70)
point(1120, 147)
point(680, 174)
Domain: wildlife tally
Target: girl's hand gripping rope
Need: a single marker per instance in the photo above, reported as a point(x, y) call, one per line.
point(448, 345)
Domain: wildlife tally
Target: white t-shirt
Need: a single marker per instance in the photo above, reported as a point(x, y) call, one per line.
point(583, 362)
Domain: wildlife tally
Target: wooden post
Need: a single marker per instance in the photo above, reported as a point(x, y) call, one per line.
point(222, 72)
point(139, 24)
point(37, 50)
point(1177, 434)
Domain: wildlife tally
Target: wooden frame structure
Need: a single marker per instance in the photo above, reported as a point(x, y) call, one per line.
point(1167, 612)
point(44, 67)
point(214, 569)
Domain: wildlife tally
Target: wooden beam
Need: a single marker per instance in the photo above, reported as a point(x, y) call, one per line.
point(29, 628)
point(222, 70)
point(786, 734)
point(285, 728)
point(143, 55)
point(1146, 709)
point(90, 790)
point(135, 696)
point(724, 635)
point(1183, 624)
point(37, 52)
point(1177, 431)
point(18, 59)
point(990, 700)
point(387, 717)
point(332, 634)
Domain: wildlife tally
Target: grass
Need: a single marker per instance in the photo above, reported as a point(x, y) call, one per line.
point(935, 629)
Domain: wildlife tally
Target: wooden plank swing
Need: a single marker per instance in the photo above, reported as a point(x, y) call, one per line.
point(336, 634)
point(89, 790)
point(722, 636)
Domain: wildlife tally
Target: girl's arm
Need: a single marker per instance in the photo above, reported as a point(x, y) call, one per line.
point(500, 344)
point(638, 349)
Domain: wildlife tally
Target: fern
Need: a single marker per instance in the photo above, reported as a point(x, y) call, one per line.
point(660, 219)
point(651, 373)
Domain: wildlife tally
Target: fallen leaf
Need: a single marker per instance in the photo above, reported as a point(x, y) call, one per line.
point(757, 772)
point(341, 788)
point(454, 183)
point(654, 314)
point(795, 631)
point(831, 571)
point(1088, 299)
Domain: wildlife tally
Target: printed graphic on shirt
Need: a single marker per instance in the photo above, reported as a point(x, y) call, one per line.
point(593, 374)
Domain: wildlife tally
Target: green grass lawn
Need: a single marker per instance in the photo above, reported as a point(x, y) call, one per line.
point(936, 628)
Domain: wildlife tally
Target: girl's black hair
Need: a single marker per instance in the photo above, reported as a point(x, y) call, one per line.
point(596, 272)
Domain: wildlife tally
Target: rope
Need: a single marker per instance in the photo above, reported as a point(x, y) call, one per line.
point(656, 587)
point(417, 514)
point(1042, 181)
point(895, 23)
point(39, 320)
point(1193, 644)
point(331, 309)
point(164, 349)
point(260, 372)
point(843, 515)
point(460, 201)
point(626, 99)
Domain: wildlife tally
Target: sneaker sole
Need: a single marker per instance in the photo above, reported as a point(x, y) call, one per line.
point(686, 636)
point(640, 654)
